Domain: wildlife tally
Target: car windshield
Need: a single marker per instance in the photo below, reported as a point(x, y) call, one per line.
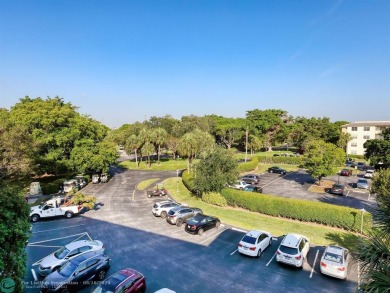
point(67, 269)
point(171, 213)
point(338, 186)
point(249, 239)
point(111, 283)
point(61, 253)
point(362, 181)
point(333, 257)
point(288, 250)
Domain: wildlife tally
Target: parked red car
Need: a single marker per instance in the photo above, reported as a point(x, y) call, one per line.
point(126, 281)
point(346, 172)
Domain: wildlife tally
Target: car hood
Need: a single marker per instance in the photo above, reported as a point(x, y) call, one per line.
point(50, 261)
point(35, 209)
point(54, 280)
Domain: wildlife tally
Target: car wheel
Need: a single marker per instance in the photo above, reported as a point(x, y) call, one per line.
point(69, 215)
point(179, 222)
point(259, 253)
point(217, 224)
point(163, 215)
point(35, 218)
point(200, 231)
point(101, 275)
point(161, 194)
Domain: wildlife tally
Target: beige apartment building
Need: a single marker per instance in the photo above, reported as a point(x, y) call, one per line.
point(361, 131)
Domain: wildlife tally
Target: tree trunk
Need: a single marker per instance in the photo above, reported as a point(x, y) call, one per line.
point(136, 158)
point(158, 156)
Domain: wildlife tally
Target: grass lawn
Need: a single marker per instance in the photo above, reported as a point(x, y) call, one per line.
point(318, 234)
point(165, 165)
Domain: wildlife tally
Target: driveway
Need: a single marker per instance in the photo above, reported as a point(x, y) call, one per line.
point(167, 255)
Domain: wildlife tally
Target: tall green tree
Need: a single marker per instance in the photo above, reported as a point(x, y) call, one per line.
point(194, 143)
point(226, 130)
point(16, 148)
point(322, 159)
point(216, 169)
point(133, 144)
point(373, 253)
point(378, 150)
point(148, 149)
point(160, 136)
point(89, 157)
point(14, 233)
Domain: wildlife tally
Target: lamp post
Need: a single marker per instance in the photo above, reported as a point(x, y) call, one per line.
point(361, 225)
point(177, 180)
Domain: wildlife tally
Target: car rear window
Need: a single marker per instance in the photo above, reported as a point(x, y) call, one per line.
point(171, 213)
point(338, 186)
point(249, 239)
point(333, 257)
point(288, 250)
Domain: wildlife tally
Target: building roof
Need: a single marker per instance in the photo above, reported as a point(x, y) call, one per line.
point(367, 123)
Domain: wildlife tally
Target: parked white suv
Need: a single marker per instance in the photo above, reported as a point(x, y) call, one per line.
point(161, 209)
point(293, 250)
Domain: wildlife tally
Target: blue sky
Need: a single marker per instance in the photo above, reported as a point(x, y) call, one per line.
point(124, 61)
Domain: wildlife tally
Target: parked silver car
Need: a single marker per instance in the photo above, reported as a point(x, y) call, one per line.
point(180, 215)
point(55, 260)
point(362, 183)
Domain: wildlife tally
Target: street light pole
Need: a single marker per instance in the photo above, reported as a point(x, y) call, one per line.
point(361, 225)
point(177, 180)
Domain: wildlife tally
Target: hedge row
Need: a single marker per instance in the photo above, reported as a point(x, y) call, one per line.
point(361, 157)
point(248, 166)
point(214, 198)
point(188, 181)
point(281, 160)
point(309, 211)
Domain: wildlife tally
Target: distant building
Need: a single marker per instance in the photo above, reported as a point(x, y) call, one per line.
point(361, 131)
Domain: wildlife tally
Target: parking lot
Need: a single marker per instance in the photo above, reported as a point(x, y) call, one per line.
point(297, 184)
point(167, 255)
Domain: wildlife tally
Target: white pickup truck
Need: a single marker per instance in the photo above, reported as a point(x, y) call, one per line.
point(53, 208)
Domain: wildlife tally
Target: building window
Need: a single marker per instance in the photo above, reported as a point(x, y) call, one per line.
point(354, 144)
point(366, 136)
point(354, 136)
point(354, 128)
point(353, 152)
point(366, 128)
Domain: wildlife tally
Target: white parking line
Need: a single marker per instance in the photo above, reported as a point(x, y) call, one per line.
point(85, 234)
point(271, 259)
point(30, 244)
point(211, 237)
point(39, 245)
point(234, 252)
point(239, 230)
point(58, 229)
point(34, 275)
point(315, 260)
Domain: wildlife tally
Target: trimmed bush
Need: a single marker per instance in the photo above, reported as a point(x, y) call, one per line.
point(188, 180)
point(281, 160)
point(303, 210)
point(214, 198)
point(360, 157)
point(248, 166)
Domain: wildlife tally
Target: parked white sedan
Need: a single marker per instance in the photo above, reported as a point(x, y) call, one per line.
point(334, 262)
point(254, 243)
point(240, 185)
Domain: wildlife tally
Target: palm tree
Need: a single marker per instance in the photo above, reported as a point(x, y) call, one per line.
point(160, 136)
point(133, 143)
point(373, 253)
point(148, 149)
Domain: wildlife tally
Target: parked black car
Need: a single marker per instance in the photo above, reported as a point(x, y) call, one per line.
point(77, 272)
point(251, 178)
point(277, 170)
point(201, 223)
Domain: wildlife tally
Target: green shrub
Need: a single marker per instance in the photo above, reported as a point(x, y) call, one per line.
point(214, 198)
point(188, 180)
point(248, 166)
point(303, 210)
point(360, 157)
point(281, 160)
